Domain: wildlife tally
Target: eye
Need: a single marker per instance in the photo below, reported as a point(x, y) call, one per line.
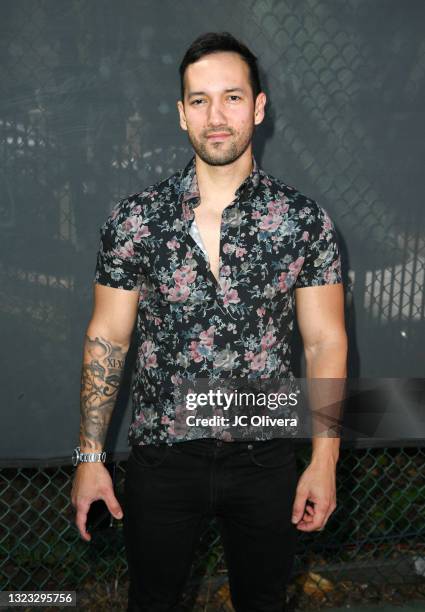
point(234, 96)
point(197, 100)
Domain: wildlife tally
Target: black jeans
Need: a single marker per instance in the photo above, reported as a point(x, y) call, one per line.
point(169, 490)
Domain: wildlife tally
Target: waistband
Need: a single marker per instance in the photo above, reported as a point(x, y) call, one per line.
point(215, 442)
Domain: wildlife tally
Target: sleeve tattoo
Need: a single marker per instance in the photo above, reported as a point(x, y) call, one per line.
point(102, 369)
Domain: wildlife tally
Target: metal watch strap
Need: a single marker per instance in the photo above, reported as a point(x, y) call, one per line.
point(92, 457)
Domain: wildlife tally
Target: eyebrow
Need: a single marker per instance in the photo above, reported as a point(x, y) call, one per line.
point(203, 93)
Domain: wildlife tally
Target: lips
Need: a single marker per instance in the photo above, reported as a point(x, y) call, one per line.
point(217, 136)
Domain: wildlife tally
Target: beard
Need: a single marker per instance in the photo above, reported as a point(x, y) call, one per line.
point(223, 152)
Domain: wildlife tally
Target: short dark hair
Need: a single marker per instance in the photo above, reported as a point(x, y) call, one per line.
point(214, 42)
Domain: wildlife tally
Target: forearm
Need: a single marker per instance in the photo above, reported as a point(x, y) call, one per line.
point(103, 365)
point(327, 362)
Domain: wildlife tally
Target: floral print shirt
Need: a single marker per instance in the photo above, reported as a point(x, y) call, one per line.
point(273, 241)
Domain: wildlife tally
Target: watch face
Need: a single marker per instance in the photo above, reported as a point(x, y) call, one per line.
point(75, 456)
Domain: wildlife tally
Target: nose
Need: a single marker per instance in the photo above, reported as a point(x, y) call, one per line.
point(216, 116)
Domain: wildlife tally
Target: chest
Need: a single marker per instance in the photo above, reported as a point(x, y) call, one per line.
point(208, 231)
point(246, 257)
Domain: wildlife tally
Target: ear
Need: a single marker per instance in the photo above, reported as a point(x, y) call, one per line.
point(259, 112)
point(182, 115)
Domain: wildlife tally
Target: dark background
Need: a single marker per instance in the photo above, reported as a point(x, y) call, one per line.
point(88, 115)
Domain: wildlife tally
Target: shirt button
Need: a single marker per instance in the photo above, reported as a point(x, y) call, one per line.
point(250, 447)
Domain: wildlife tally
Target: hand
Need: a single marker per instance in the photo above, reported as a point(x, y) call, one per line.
point(92, 481)
point(317, 484)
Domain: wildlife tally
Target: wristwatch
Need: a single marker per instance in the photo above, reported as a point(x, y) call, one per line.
point(78, 457)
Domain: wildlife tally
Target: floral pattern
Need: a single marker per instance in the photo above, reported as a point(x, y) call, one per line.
point(273, 240)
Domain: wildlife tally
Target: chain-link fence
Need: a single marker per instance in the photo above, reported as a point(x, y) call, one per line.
point(87, 116)
point(372, 549)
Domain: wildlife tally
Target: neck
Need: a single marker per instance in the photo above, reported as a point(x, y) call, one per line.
point(219, 183)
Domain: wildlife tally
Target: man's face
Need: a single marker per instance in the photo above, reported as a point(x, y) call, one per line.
point(219, 101)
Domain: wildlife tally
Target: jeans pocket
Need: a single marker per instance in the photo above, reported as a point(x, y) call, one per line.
point(151, 455)
point(272, 453)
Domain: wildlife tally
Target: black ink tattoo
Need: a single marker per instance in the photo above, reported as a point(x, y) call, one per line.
point(101, 374)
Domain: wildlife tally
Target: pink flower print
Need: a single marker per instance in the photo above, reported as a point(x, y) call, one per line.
point(230, 295)
point(270, 222)
point(131, 224)
point(282, 281)
point(142, 232)
point(184, 275)
point(194, 353)
point(151, 362)
point(278, 207)
point(259, 361)
point(170, 429)
point(163, 288)
point(225, 271)
point(207, 337)
point(228, 248)
point(139, 419)
point(125, 250)
point(179, 293)
point(173, 244)
point(261, 311)
point(240, 251)
point(327, 225)
point(187, 211)
point(296, 266)
point(249, 356)
point(305, 236)
point(268, 340)
point(144, 292)
point(149, 356)
point(256, 214)
point(176, 379)
point(225, 284)
point(165, 420)
point(304, 212)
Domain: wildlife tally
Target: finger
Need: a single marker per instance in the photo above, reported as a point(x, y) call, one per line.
point(113, 505)
point(80, 521)
point(309, 509)
point(317, 521)
point(308, 516)
point(299, 506)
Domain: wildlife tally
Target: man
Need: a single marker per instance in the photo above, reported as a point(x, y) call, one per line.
point(209, 261)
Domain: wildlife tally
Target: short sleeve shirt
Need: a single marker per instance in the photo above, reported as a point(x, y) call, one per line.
point(273, 240)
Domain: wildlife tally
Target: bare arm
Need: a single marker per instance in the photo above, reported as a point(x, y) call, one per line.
point(320, 315)
point(105, 348)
